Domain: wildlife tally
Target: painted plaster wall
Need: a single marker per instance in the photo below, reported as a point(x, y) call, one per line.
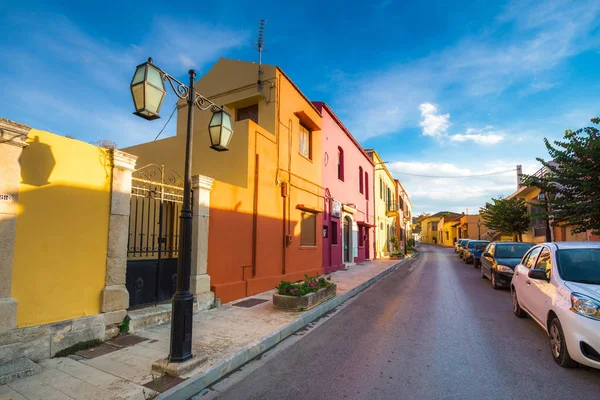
point(382, 221)
point(62, 229)
point(346, 191)
point(249, 217)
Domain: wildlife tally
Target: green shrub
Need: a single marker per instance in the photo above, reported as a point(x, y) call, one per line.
point(302, 288)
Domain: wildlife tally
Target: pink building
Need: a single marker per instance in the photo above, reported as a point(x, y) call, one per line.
point(348, 216)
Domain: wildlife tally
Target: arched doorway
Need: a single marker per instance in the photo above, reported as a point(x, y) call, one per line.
point(347, 237)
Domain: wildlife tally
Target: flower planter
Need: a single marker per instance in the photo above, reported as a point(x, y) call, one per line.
point(303, 303)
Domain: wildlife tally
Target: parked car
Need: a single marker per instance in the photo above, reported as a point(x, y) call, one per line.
point(458, 245)
point(499, 260)
point(463, 247)
point(474, 251)
point(558, 285)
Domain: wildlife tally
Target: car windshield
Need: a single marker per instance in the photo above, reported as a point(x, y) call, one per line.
point(474, 245)
point(516, 250)
point(579, 265)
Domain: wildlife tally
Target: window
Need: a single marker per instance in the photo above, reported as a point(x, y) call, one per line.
point(544, 262)
point(490, 249)
point(434, 226)
point(380, 188)
point(367, 185)
point(308, 229)
point(305, 142)
point(250, 112)
point(360, 180)
point(529, 260)
point(334, 232)
point(361, 236)
point(340, 164)
point(447, 236)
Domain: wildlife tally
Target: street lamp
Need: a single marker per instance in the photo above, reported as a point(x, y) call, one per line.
point(479, 229)
point(148, 92)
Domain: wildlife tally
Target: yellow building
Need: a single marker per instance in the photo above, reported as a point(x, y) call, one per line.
point(448, 230)
point(536, 233)
point(431, 227)
point(386, 207)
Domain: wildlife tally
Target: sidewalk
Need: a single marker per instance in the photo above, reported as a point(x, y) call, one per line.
point(223, 339)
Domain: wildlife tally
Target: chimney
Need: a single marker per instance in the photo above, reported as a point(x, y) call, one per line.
point(519, 179)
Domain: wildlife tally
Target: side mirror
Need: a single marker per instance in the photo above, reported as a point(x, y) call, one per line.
point(486, 254)
point(538, 274)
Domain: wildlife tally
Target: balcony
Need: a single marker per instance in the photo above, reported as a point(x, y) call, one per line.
point(392, 209)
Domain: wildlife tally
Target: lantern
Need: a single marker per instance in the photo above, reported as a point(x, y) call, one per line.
point(148, 90)
point(220, 130)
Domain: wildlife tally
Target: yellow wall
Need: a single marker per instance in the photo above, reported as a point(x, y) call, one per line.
point(446, 232)
point(427, 232)
point(62, 229)
point(383, 223)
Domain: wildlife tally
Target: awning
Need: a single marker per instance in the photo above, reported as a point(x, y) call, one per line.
point(308, 209)
point(363, 223)
point(307, 121)
point(349, 209)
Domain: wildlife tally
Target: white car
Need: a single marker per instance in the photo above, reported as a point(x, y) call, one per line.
point(558, 285)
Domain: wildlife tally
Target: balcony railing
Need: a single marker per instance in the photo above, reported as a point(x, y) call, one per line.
point(392, 209)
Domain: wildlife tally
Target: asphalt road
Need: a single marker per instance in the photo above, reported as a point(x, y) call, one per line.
point(438, 331)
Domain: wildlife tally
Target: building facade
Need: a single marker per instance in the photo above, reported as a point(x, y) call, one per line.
point(386, 207)
point(432, 227)
point(404, 216)
point(267, 194)
point(348, 207)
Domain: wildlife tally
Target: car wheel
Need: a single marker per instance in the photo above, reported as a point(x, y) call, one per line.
point(494, 283)
point(558, 345)
point(516, 307)
point(482, 273)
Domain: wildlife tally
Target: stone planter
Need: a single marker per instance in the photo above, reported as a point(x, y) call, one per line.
point(303, 303)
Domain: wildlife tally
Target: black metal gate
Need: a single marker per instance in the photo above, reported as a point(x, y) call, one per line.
point(153, 241)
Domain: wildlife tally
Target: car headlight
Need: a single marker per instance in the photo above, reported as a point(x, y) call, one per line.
point(504, 268)
point(584, 305)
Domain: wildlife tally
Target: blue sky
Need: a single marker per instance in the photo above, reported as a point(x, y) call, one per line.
point(438, 88)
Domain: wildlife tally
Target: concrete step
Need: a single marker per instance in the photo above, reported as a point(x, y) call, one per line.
point(17, 369)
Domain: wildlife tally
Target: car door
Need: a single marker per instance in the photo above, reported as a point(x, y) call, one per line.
point(541, 292)
point(521, 281)
point(486, 262)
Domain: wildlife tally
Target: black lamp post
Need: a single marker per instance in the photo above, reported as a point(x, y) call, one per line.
point(479, 229)
point(148, 91)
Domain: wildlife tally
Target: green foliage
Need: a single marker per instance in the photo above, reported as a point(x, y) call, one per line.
point(302, 288)
point(411, 243)
point(572, 184)
point(395, 242)
point(124, 326)
point(507, 215)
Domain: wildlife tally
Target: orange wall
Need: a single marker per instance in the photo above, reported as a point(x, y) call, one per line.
point(275, 140)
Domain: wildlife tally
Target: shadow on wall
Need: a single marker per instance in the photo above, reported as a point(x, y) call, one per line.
point(237, 270)
point(59, 262)
point(40, 161)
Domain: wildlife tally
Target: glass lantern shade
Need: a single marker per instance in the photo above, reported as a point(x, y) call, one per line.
point(220, 130)
point(148, 91)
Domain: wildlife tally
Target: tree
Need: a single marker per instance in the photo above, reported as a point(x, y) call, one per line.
point(506, 215)
point(572, 183)
point(105, 143)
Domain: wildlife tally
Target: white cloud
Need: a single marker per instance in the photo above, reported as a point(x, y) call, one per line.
point(461, 188)
point(535, 38)
point(479, 138)
point(85, 92)
point(432, 122)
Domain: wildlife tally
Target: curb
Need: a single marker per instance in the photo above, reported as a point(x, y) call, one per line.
point(195, 384)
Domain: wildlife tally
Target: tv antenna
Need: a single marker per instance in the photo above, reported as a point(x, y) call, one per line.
point(260, 43)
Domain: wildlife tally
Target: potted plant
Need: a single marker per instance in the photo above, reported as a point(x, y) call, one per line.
point(303, 295)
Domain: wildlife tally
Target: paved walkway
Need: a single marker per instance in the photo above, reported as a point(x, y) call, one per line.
point(218, 335)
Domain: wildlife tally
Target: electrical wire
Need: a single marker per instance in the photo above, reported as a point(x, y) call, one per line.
point(166, 123)
point(457, 176)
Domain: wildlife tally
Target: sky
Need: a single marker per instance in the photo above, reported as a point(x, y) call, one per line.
point(442, 89)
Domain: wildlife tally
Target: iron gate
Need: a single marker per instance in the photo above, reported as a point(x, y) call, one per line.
point(153, 240)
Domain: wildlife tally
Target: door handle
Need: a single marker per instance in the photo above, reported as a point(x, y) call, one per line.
point(528, 282)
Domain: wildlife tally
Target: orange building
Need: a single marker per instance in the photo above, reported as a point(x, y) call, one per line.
point(266, 195)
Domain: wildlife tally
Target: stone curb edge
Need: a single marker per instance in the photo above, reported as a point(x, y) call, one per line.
point(195, 384)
